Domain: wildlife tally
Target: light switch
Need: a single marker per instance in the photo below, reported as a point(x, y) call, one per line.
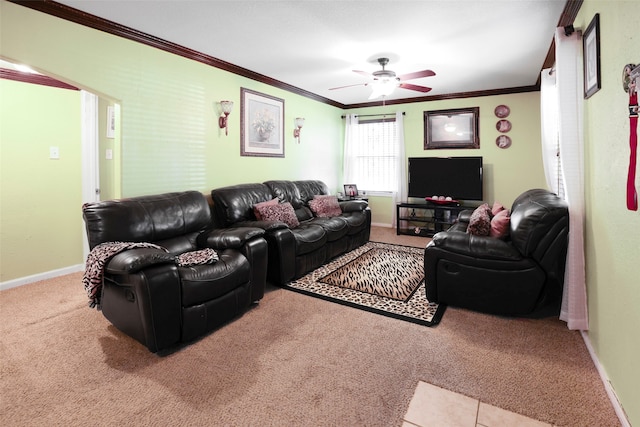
point(54, 153)
point(109, 154)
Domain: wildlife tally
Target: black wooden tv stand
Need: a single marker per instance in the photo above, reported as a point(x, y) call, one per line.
point(427, 218)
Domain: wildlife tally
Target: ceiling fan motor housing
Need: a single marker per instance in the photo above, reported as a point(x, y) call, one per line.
point(384, 74)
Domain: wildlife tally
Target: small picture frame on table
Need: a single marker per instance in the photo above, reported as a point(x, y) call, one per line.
point(350, 190)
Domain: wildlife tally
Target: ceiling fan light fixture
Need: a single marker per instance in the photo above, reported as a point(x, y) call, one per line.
point(383, 87)
point(386, 81)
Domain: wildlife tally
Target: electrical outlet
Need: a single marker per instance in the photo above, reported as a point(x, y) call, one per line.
point(54, 153)
point(109, 154)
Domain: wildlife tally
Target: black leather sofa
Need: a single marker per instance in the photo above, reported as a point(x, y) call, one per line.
point(295, 251)
point(522, 275)
point(146, 294)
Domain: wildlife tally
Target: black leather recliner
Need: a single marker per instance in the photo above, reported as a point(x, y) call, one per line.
point(293, 252)
point(146, 294)
point(520, 276)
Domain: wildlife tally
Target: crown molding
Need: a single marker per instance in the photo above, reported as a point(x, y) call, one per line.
point(38, 79)
point(88, 20)
point(68, 13)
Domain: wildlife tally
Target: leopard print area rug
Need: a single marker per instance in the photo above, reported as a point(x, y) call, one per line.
point(378, 277)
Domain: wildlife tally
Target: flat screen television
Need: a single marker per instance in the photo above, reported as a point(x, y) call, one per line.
point(457, 177)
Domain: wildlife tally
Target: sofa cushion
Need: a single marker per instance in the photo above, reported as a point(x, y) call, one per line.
point(303, 213)
point(480, 221)
point(310, 188)
point(335, 227)
point(309, 237)
point(285, 191)
point(500, 225)
point(280, 212)
point(146, 218)
point(234, 204)
point(325, 206)
point(536, 215)
point(258, 206)
point(357, 221)
point(202, 283)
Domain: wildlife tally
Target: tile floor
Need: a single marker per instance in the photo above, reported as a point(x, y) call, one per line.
point(435, 406)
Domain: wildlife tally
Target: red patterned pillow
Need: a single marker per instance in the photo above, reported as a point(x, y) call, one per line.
point(500, 225)
point(257, 206)
point(280, 212)
point(325, 206)
point(480, 221)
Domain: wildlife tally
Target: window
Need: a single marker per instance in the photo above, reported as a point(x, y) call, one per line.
point(374, 161)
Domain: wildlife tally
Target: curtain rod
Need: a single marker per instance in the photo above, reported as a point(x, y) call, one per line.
point(373, 115)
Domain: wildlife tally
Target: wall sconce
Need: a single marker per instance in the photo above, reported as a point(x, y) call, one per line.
point(226, 106)
point(299, 123)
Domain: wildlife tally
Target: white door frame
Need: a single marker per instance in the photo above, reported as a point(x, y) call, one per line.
point(90, 168)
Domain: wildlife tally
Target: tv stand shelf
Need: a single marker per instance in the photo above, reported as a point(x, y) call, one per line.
point(425, 219)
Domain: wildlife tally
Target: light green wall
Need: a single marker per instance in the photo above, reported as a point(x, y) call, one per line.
point(170, 136)
point(507, 172)
point(612, 232)
point(40, 198)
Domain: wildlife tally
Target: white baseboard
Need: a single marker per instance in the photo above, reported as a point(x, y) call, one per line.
point(40, 276)
point(381, 224)
point(622, 416)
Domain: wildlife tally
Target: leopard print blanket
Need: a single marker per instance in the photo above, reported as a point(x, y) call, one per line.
point(102, 253)
point(97, 259)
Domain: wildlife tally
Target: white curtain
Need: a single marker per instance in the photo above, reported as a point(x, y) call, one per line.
point(350, 139)
point(400, 193)
point(569, 122)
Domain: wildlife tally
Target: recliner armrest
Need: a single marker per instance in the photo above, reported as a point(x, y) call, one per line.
point(483, 247)
point(225, 238)
point(265, 225)
point(353, 206)
point(134, 260)
point(465, 215)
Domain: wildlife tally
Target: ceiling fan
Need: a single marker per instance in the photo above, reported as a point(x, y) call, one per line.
point(385, 81)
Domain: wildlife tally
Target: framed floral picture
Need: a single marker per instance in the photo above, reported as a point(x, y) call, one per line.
point(261, 124)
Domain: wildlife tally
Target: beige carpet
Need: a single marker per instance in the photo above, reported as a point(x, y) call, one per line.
point(293, 360)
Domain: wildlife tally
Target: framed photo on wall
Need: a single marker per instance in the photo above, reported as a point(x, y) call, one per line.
point(591, 57)
point(261, 124)
point(456, 128)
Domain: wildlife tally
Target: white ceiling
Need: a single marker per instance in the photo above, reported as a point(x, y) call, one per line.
point(471, 45)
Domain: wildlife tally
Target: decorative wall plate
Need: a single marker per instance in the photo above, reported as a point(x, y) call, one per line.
point(503, 141)
point(503, 126)
point(502, 111)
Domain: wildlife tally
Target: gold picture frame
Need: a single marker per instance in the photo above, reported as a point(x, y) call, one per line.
point(262, 124)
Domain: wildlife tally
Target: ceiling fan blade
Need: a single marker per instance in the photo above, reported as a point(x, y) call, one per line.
point(364, 73)
point(417, 75)
point(409, 86)
point(342, 87)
